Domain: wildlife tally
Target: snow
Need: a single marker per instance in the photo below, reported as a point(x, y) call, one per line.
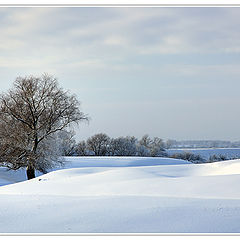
point(123, 195)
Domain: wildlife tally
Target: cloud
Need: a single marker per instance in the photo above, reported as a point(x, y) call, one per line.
point(193, 70)
point(115, 41)
point(111, 38)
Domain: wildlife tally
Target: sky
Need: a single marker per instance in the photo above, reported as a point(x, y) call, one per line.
point(172, 73)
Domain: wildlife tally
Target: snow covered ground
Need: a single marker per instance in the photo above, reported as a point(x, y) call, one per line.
point(123, 195)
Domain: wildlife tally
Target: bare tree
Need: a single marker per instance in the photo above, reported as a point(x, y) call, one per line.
point(151, 147)
point(145, 141)
point(123, 146)
point(31, 112)
point(81, 148)
point(99, 144)
point(67, 142)
point(157, 148)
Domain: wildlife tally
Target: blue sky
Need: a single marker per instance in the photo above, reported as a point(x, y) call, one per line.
point(169, 72)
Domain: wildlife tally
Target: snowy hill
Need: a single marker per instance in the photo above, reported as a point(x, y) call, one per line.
point(8, 177)
point(105, 195)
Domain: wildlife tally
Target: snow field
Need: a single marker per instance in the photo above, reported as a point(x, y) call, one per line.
point(124, 195)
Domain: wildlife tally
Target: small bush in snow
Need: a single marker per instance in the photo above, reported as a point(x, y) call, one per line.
point(194, 158)
point(221, 157)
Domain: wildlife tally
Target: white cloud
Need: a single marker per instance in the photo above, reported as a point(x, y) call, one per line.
point(116, 41)
point(57, 38)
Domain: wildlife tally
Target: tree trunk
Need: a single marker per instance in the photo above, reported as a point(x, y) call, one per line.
point(30, 168)
point(30, 172)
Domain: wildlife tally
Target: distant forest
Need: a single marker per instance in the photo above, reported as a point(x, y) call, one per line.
point(202, 144)
point(102, 145)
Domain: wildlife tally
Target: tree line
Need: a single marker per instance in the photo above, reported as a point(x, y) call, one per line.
point(102, 145)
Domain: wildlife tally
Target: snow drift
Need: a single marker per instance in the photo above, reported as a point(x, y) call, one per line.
point(123, 195)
